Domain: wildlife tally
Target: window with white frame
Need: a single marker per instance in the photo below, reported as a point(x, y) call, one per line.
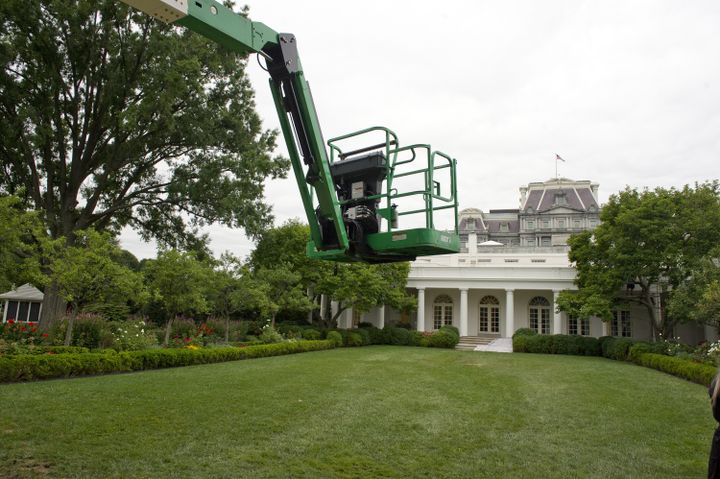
point(540, 315)
point(489, 315)
point(442, 311)
point(621, 325)
point(578, 327)
point(22, 311)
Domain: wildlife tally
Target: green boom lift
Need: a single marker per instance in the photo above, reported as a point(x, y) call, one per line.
point(355, 218)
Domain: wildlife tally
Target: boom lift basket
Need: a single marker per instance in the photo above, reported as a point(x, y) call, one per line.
point(364, 180)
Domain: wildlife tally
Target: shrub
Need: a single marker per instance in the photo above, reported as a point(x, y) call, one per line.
point(540, 344)
point(365, 335)
point(520, 343)
point(617, 348)
point(133, 336)
point(398, 336)
point(452, 329)
point(269, 335)
point(525, 332)
point(42, 349)
point(378, 336)
point(589, 346)
point(692, 371)
point(21, 333)
point(443, 339)
point(642, 347)
point(89, 330)
point(556, 344)
point(311, 334)
point(30, 367)
point(354, 339)
point(365, 324)
point(335, 337)
point(290, 330)
point(415, 338)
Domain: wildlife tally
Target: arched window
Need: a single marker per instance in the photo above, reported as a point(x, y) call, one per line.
point(442, 311)
point(489, 315)
point(540, 315)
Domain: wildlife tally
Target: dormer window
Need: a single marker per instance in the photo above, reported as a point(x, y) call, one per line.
point(470, 224)
point(504, 228)
point(560, 199)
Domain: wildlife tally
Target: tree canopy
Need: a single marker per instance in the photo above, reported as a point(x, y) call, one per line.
point(647, 245)
point(87, 274)
point(180, 282)
point(21, 233)
point(351, 285)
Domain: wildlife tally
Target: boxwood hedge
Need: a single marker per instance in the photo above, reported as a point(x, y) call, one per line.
point(30, 367)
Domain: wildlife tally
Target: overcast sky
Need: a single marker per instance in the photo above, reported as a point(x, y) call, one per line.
point(627, 92)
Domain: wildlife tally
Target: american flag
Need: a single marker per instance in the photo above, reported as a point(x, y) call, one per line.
point(557, 157)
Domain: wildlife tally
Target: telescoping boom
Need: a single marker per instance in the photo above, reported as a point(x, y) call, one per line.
point(349, 196)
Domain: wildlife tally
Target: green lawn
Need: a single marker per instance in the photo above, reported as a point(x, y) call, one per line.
point(378, 411)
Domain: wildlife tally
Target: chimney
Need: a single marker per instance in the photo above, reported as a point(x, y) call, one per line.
point(472, 243)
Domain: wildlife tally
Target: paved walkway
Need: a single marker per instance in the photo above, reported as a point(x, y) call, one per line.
point(500, 345)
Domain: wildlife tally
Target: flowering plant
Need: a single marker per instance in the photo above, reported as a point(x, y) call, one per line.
point(196, 336)
point(26, 333)
point(132, 336)
point(270, 334)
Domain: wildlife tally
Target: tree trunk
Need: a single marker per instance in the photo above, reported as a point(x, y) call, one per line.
point(168, 328)
point(227, 328)
point(53, 307)
point(341, 309)
point(69, 330)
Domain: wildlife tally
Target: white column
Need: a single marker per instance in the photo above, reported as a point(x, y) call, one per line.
point(463, 312)
point(381, 317)
point(606, 328)
point(7, 301)
point(421, 310)
point(557, 322)
point(509, 312)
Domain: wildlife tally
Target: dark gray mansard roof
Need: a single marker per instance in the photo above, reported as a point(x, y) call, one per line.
point(580, 199)
point(479, 226)
point(494, 226)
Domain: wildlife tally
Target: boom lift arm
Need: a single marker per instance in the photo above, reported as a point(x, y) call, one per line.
point(347, 223)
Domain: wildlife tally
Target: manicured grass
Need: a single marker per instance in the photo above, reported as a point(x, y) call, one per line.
point(368, 412)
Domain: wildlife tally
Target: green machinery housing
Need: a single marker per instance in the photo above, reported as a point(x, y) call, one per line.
point(348, 195)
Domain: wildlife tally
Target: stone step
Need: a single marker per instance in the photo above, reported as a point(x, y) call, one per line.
point(469, 343)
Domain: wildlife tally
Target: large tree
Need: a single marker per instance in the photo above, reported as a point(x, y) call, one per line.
point(109, 118)
point(645, 249)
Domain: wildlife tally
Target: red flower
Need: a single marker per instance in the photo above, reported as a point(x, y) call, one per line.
point(45, 335)
point(11, 321)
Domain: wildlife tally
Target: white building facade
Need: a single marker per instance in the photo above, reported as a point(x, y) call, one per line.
point(512, 266)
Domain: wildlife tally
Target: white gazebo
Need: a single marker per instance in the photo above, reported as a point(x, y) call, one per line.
point(22, 304)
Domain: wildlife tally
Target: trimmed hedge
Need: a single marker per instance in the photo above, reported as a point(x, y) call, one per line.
point(51, 350)
point(690, 370)
point(556, 344)
point(31, 367)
